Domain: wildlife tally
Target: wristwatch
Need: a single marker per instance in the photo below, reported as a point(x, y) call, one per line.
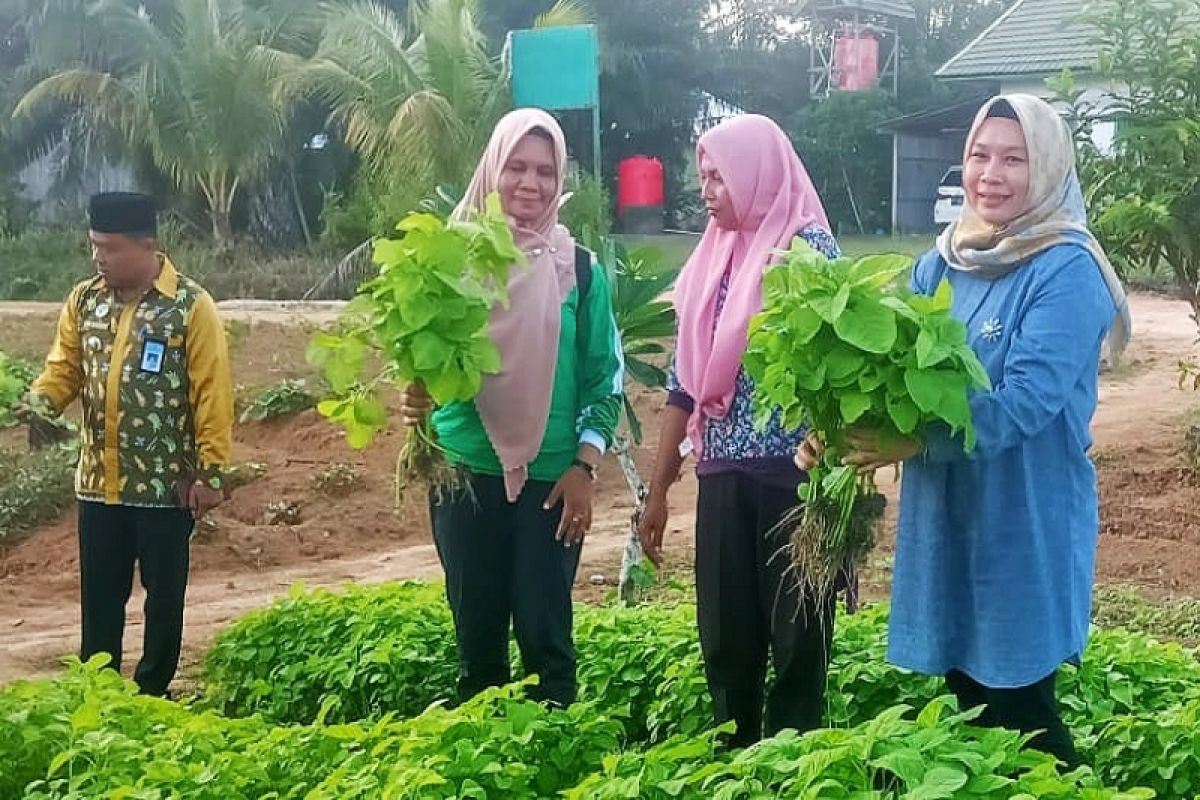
point(590, 469)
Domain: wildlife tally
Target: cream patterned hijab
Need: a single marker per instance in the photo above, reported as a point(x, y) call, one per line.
point(1054, 213)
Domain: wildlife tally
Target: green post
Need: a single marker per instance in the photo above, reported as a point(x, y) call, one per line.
point(558, 69)
point(596, 165)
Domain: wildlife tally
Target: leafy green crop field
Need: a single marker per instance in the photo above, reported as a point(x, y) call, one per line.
point(340, 695)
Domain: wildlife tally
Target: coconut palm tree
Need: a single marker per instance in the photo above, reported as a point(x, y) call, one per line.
point(35, 34)
point(197, 84)
point(416, 96)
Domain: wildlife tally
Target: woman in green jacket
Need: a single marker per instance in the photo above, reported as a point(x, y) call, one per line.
point(530, 443)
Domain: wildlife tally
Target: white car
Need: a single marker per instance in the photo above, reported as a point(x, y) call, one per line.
point(950, 197)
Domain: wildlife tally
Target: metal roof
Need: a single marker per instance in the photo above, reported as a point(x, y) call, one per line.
point(1033, 37)
point(956, 116)
point(901, 9)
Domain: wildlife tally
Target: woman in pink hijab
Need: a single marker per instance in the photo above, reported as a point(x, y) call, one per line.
point(759, 198)
point(530, 443)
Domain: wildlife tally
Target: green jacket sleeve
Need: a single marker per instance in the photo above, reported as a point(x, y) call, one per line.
point(601, 365)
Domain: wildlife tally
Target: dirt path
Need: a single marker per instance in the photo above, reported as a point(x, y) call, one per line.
point(240, 310)
point(1151, 526)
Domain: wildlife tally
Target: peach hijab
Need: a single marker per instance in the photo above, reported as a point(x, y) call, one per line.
point(514, 405)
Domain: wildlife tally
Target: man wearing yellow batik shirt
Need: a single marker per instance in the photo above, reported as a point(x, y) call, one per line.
point(143, 349)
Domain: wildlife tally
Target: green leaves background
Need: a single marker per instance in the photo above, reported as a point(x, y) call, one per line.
point(15, 377)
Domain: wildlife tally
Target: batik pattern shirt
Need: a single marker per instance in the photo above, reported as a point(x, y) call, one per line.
point(154, 383)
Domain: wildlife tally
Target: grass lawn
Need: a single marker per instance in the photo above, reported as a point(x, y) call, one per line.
point(858, 246)
point(677, 246)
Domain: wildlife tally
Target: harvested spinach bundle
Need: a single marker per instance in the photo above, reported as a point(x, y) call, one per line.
point(426, 315)
point(840, 345)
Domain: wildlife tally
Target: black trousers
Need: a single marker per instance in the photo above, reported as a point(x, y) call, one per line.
point(111, 540)
point(504, 568)
point(1026, 709)
point(748, 604)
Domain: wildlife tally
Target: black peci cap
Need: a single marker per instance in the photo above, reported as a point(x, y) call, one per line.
point(129, 213)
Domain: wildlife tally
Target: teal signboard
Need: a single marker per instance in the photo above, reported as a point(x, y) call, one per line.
point(556, 68)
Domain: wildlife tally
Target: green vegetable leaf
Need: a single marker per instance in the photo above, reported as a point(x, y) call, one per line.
point(930, 350)
point(943, 297)
point(904, 413)
point(854, 405)
point(430, 352)
point(975, 370)
point(487, 356)
point(901, 308)
point(940, 783)
point(842, 363)
point(838, 306)
point(339, 358)
point(811, 374)
point(907, 764)
point(878, 271)
point(369, 410)
point(803, 324)
point(867, 325)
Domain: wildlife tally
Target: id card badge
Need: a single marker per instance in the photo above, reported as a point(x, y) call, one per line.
point(154, 353)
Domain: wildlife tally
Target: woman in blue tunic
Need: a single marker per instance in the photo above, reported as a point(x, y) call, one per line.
point(995, 550)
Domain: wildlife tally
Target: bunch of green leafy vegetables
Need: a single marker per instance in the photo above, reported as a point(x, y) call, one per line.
point(426, 314)
point(364, 651)
point(88, 734)
point(841, 345)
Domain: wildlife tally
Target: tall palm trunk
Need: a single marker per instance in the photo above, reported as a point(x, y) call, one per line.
point(222, 229)
point(220, 192)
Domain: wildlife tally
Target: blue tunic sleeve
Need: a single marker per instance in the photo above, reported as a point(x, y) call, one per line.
point(1065, 314)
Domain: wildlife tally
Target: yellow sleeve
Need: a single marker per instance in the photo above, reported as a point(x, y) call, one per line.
point(62, 375)
point(210, 388)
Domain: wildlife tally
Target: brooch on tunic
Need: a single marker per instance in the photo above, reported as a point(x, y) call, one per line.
point(991, 329)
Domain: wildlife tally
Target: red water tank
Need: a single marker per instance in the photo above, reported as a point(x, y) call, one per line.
point(856, 59)
point(639, 183)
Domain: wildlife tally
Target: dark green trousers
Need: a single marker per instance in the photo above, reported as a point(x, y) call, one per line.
point(505, 570)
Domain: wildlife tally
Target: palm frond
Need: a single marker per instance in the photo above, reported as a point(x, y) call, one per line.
point(369, 39)
point(421, 104)
point(352, 270)
point(106, 96)
point(564, 13)
point(291, 25)
point(425, 130)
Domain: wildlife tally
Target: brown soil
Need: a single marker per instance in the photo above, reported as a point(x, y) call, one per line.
point(1150, 529)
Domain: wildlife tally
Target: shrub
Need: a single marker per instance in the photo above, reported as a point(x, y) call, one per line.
point(36, 487)
point(280, 400)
